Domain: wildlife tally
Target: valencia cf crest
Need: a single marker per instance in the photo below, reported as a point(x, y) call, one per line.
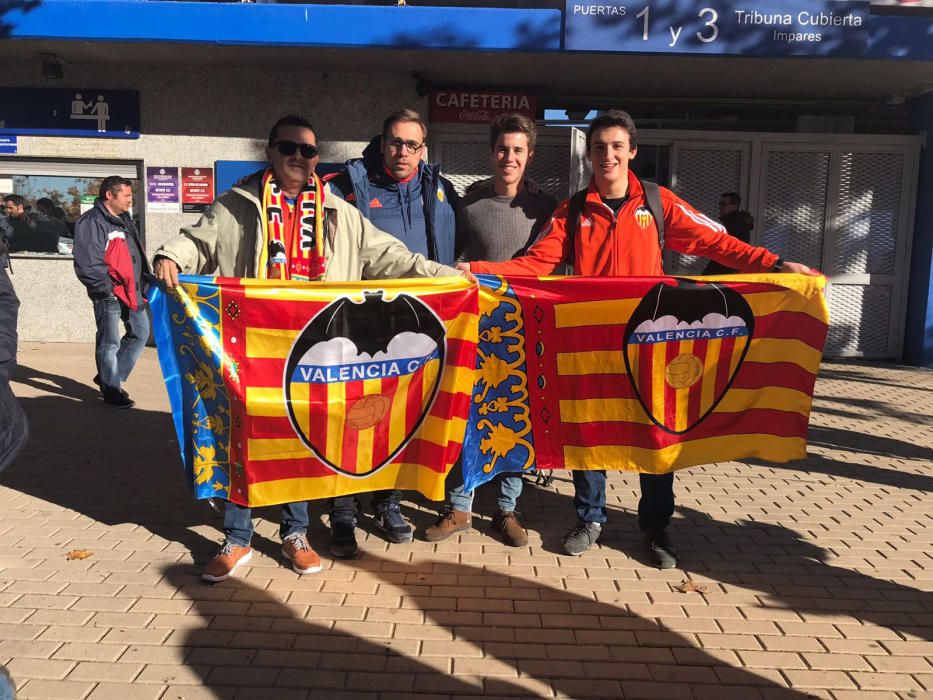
point(361, 377)
point(683, 346)
point(643, 217)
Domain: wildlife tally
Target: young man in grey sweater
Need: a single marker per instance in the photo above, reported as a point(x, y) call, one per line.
point(498, 221)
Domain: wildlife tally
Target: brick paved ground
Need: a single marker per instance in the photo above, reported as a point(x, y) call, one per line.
point(818, 573)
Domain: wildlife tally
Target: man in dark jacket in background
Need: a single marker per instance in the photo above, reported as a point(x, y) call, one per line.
point(398, 192)
point(14, 430)
point(738, 223)
point(108, 223)
point(33, 231)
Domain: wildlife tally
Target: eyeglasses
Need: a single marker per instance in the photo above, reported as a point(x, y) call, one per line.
point(289, 148)
point(410, 146)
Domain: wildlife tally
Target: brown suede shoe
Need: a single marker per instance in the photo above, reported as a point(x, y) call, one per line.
point(451, 522)
point(296, 549)
point(513, 534)
point(221, 567)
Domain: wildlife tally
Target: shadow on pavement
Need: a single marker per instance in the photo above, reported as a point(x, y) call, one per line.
point(532, 639)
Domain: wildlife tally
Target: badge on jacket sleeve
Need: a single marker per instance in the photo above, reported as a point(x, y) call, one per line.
point(440, 194)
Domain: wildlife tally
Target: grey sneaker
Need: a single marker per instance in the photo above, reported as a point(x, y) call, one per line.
point(660, 549)
point(395, 527)
point(581, 538)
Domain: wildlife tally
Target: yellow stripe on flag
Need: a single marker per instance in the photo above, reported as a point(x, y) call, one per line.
point(771, 397)
point(606, 312)
point(708, 390)
point(301, 405)
point(270, 449)
point(270, 401)
point(594, 410)
point(336, 418)
point(682, 395)
point(275, 343)
point(764, 350)
point(269, 343)
point(659, 360)
point(722, 448)
point(770, 350)
point(592, 362)
point(408, 477)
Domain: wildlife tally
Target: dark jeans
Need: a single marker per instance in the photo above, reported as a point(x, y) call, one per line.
point(238, 522)
point(347, 507)
point(117, 356)
point(655, 507)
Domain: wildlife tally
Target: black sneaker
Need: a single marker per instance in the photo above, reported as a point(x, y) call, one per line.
point(660, 549)
point(581, 538)
point(100, 386)
point(343, 538)
point(118, 399)
point(391, 522)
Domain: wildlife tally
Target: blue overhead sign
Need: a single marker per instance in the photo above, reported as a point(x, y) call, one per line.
point(73, 112)
point(7, 145)
point(721, 27)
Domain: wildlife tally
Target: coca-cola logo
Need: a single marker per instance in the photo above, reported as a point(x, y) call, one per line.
point(475, 115)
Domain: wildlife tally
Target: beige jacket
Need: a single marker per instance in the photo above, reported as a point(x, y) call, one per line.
point(227, 240)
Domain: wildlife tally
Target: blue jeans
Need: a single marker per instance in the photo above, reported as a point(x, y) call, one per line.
point(655, 507)
point(510, 488)
point(238, 523)
point(117, 356)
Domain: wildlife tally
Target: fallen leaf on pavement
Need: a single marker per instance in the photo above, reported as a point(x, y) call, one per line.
point(690, 586)
point(79, 554)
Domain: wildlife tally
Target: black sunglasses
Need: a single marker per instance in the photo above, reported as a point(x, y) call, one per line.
point(288, 148)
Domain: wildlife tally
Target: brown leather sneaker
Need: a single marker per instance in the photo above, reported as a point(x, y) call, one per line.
point(296, 549)
point(513, 534)
point(451, 522)
point(221, 567)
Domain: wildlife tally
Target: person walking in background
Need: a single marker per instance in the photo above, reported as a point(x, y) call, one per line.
point(111, 263)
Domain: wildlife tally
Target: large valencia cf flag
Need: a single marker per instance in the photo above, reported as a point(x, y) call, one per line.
point(642, 374)
point(290, 391)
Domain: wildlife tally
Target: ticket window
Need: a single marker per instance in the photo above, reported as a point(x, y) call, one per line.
point(43, 198)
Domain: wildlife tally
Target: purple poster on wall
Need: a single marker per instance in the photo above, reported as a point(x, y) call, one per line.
point(162, 190)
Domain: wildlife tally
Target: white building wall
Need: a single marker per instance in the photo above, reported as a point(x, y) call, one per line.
point(192, 116)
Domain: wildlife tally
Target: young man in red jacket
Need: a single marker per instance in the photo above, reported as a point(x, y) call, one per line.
point(616, 236)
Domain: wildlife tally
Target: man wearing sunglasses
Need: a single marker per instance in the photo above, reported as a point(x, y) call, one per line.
point(398, 192)
point(255, 230)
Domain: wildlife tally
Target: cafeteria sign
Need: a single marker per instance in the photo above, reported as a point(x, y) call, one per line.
point(470, 107)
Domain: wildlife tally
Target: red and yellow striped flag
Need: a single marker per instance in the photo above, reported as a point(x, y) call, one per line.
point(643, 374)
point(320, 390)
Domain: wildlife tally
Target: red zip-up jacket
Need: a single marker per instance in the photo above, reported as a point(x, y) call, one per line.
point(120, 268)
point(627, 244)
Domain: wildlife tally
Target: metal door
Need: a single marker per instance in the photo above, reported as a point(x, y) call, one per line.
point(701, 171)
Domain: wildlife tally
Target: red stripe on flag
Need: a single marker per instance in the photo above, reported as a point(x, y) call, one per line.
point(724, 364)
point(751, 421)
point(645, 374)
point(413, 404)
point(757, 375)
point(317, 431)
point(695, 395)
point(792, 324)
point(670, 393)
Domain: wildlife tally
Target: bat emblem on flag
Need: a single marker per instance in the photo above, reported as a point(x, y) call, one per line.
point(361, 377)
point(683, 346)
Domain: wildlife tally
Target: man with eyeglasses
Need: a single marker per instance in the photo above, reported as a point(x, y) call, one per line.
point(398, 192)
point(284, 223)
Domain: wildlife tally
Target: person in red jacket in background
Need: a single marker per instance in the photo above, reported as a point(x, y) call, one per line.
point(616, 236)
